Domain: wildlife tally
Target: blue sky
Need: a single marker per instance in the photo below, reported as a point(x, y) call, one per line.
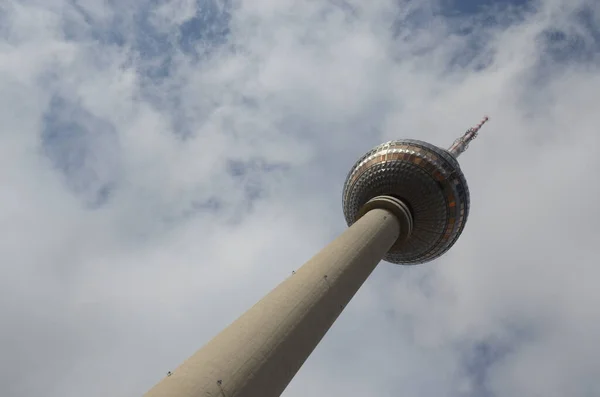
point(165, 164)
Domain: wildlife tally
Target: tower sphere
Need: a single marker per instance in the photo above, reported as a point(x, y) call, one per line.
point(425, 178)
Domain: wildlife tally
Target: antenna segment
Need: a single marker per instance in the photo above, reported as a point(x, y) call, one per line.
point(462, 143)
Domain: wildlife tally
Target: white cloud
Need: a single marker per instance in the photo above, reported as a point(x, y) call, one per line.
point(225, 162)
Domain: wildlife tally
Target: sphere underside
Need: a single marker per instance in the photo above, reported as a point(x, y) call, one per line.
point(427, 179)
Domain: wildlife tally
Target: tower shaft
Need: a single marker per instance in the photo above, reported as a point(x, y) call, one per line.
point(260, 352)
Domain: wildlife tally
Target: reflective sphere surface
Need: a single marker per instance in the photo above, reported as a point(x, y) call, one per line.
point(426, 178)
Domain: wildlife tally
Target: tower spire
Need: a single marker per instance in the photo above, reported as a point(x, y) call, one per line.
point(462, 143)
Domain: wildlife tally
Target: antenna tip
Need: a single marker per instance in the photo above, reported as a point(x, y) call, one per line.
point(481, 123)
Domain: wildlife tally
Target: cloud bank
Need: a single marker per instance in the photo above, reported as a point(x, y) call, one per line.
point(165, 164)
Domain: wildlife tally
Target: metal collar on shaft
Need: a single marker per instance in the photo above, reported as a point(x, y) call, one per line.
point(396, 207)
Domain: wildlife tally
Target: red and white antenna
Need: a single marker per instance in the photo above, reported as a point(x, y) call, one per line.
point(462, 143)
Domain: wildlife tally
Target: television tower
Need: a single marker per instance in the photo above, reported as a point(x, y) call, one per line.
point(405, 201)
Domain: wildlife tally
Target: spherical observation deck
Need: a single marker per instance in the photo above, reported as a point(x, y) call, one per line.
point(425, 178)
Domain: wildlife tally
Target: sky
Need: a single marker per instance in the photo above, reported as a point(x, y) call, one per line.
point(164, 164)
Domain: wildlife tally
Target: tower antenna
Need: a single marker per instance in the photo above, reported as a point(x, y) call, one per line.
point(462, 143)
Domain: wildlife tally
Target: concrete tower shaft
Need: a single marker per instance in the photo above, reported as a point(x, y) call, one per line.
point(259, 353)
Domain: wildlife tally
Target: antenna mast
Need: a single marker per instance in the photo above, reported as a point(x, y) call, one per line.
point(462, 143)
